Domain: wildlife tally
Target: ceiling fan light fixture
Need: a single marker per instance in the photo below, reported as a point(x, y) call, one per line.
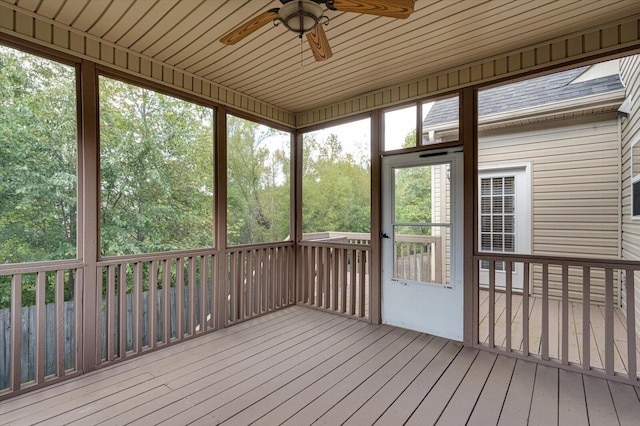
point(300, 16)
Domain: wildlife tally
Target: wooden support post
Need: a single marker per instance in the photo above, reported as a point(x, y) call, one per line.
point(469, 135)
point(89, 233)
point(375, 260)
point(219, 273)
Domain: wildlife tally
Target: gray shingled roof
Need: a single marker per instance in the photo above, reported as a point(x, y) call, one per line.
point(528, 93)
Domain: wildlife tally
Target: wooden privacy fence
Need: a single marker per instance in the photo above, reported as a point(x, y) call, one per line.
point(28, 323)
point(334, 276)
point(599, 339)
point(45, 347)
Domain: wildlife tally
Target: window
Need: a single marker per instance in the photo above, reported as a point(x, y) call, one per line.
point(400, 128)
point(497, 216)
point(635, 178)
point(259, 183)
point(38, 158)
point(156, 171)
point(422, 123)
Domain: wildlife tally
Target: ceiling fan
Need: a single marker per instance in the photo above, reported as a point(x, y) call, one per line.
point(307, 17)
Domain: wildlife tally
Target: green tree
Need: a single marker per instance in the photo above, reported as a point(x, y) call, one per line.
point(258, 183)
point(38, 162)
point(413, 193)
point(156, 165)
point(335, 188)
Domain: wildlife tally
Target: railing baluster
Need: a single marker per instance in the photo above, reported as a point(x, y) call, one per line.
point(586, 318)
point(213, 297)
point(363, 277)
point(608, 321)
point(492, 303)
point(545, 311)
point(203, 292)
point(327, 277)
point(16, 332)
point(565, 314)
point(41, 325)
point(352, 283)
point(111, 312)
point(60, 325)
point(631, 322)
point(509, 308)
point(335, 259)
point(259, 274)
point(232, 293)
point(192, 295)
point(153, 304)
point(166, 300)
point(137, 307)
point(122, 310)
point(179, 298)
point(525, 309)
point(343, 279)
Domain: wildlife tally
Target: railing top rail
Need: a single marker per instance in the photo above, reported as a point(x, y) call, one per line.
point(335, 234)
point(570, 261)
point(249, 247)
point(34, 267)
point(417, 238)
point(146, 257)
point(335, 244)
point(332, 235)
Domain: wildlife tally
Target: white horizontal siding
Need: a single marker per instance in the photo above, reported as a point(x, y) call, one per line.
point(630, 129)
point(574, 173)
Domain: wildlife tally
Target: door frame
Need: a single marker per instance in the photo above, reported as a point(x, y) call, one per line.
point(444, 304)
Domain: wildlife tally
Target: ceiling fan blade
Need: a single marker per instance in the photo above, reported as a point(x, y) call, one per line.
point(248, 27)
point(390, 8)
point(319, 44)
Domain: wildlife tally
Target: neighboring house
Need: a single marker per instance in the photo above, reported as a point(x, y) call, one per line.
point(549, 160)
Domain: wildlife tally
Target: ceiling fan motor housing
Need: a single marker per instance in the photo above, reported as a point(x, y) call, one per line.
point(300, 16)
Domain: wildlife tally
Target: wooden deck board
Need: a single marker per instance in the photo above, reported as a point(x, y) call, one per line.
point(572, 407)
point(518, 401)
point(301, 365)
point(489, 405)
point(600, 406)
point(544, 401)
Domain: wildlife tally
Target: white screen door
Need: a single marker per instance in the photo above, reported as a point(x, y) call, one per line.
point(422, 243)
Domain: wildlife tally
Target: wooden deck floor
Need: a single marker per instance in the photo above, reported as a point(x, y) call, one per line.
point(299, 366)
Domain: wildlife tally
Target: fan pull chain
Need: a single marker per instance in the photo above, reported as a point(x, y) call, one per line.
point(301, 63)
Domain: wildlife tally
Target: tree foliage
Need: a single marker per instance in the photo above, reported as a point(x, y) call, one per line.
point(258, 183)
point(336, 187)
point(156, 171)
point(413, 194)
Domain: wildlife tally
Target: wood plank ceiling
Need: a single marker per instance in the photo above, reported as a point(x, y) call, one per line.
point(369, 52)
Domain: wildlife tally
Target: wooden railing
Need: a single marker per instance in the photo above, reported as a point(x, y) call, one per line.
point(334, 276)
point(418, 258)
point(599, 339)
point(261, 279)
point(40, 343)
point(150, 301)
